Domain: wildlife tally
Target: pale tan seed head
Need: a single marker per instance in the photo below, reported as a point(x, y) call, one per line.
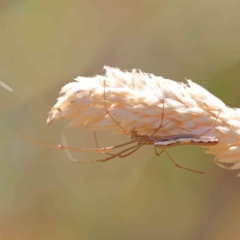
point(135, 100)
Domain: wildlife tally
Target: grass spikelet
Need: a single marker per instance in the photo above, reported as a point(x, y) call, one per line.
point(135, 99)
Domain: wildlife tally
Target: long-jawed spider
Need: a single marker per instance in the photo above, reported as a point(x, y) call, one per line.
point(162, 142)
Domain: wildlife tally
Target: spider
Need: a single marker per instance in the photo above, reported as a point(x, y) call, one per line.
point(162, 142)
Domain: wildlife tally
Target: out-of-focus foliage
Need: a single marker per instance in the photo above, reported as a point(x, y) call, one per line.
point(44, 45)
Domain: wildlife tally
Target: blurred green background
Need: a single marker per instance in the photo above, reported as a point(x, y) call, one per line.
point(44, 45)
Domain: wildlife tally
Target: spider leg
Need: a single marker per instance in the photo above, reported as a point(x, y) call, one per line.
point(133, 148)
point(188, 169)
point(61, 147)
point(208, 130)
point(108, 113)
point(107, 153)
point(157, 153)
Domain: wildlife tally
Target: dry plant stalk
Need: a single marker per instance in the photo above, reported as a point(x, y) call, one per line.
point(135, 100)
point(6, 86)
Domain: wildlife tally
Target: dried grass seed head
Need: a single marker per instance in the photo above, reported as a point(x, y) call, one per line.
point(136, 99)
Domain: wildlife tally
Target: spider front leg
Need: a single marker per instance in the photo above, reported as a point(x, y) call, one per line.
point(62, 147)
